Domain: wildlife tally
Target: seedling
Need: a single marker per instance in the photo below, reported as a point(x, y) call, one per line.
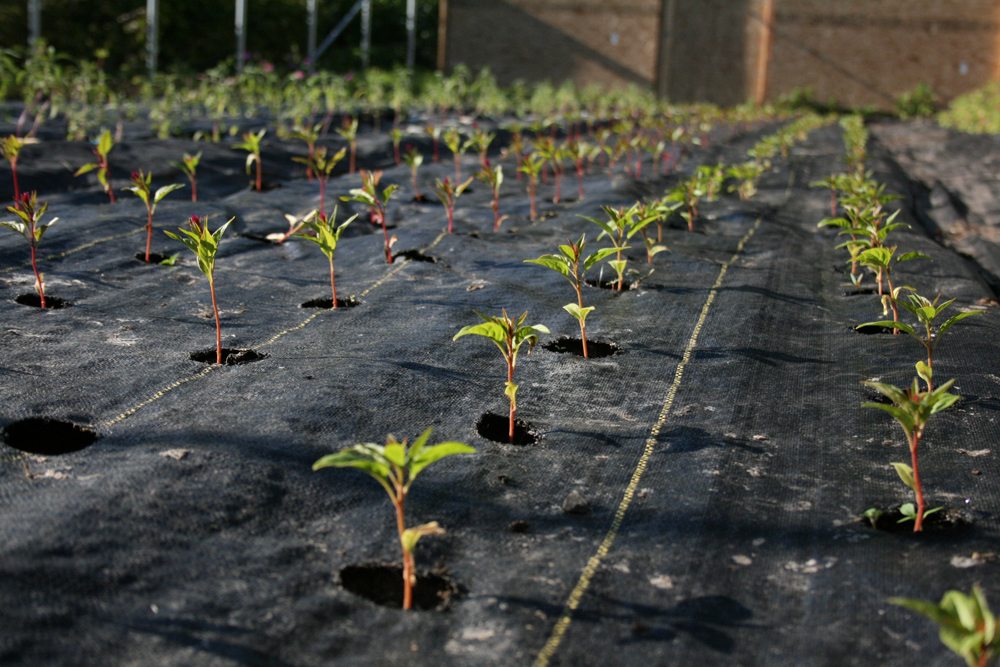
point(881, 260)
point(326, 234)
point(29, 225)
point(968, 627)
point(102, 147)
point(251, 144)
point(394, 466)
point(205, 244)
point(531, 166)
point(689, 193)
point(413, 159)
point(322, 165)
point(508, 335)
point(567, 264)
point(189, 165)
point(553, 154)
point(10, 147)
point(368, 194)
point(581, 152)
point(310, 135)
point(493, 177)
point(397, 137)
point(453, 140)
point(349, 132)
point(435, 134)
point(622, 224)
point(142, 188)
point(657, 210)
point(912, 409)
point(481, 141)
point(449, 193)
point(747, 175)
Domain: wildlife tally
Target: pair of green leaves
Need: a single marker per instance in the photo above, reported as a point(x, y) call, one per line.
point(913, 408)
point(102, 148)
point(142, 188)
point(201, 241)
point(251, 144)
point(368, 192)
point(325, 232)
point(29, 218)
point(567, 263)
point(507, 333)
point(349, 131)
point(321, 161)
point(967, 626)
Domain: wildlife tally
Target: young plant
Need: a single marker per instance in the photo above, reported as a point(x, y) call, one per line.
point(321, 164)
point(102, 148)
point(204, 243)
point(10, 147)
point(434, 132)
point(508, 334)
point(413, 159)
point(531, 166)
point(397, 137)
point(656, 210)
point(189, 165)
point(621, 225)
point(493, 177)
point(481, 141)
point(567, 264)
point(453, 140)
point(747, 175)
point(251, 144)
point(912, 409)
point(581, 152)
point(688, 193)
point(882, 260)
point(368, 194)
point(349, 132)
point(29, 225)
point(394, 466)
point(325, 233)
point(968, 627)
point(142, 187)
point(553, 154)
point(449, 193)
point(309, 134)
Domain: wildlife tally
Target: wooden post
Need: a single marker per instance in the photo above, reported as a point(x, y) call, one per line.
point(764, 52)
point(311, 36)
point(34, 20)
point(366, 33)
point(411, 33)
point(241, 33)
point(442, 55)
point(152, 36)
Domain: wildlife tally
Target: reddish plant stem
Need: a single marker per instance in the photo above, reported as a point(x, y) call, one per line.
point(385, 233)
point(833, 202)
point(396, 157)
point(458, 167)
point(450, 207)
point(38, 278)
point(353, 163)
point(322, 195)
point(892, 302)
point(13, 173)
point(557, 175)
point(408, 577)
point(918, 524)
point(218, 325)
point(259, 180)
point(532, 187)
point(194, 188)
point(692, 212)
point(333, 287)
point(513, 409)
point(579, 179)
point(149, 231)
point(579, 301)
point(109, 190)
point(312, 152)
point(495, 205)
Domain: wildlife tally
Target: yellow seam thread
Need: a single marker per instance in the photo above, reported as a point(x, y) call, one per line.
point(301, 325)
point(573, 601)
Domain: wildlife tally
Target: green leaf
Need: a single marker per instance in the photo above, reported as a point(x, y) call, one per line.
point(395, 453)
point(954, 319)
point(87, 168)
point(598, 256)
point(889, 324)
point(554, 262)
point(435, 453)
point(365, 456)
point(490, 330)
point(510, 391)
point(924, 372)
point(576, 311)
point(165, 190)
point(105, 143)
point(905, 473)
point(910, 256)
point(411, 536)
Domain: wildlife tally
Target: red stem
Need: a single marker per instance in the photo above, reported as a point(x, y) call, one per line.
point(532, 185)
point(407, 557)
point(385, 234)
point(918, 524)
point(513, 409)
point(579, 300)
point(149, 231)
point(322, 195)
point(218, 325)
point(557, 174)
point(354, 157)
point(38, 278)
point(451, 216)
point(260, 181)
point(458, 168)
point(496, 210)
point(333, 286)
point(13, 172)
point(194, 189)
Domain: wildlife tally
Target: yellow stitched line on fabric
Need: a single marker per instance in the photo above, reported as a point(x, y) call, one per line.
point(281, 334)
point(82, 246)
point(573, 601)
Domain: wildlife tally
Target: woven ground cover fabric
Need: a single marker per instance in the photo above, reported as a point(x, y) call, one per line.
point(723, 451)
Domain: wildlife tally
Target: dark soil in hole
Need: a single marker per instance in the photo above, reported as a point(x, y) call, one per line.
point(860, 291)
point(611, 284)
point(154, 257)
point(872, 396)
point(496, 428)
point(943, 522)
point(383, 585)
point(51, 302)
point(873, 330)
point(349, 302)
point(257, 237)
point(570, 345)
point(230, 356)
point(421, 199)
point(265, 186)
point(547, 215)
point(48, 437)
point(415, 256)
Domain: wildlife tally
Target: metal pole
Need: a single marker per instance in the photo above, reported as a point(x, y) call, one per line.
point(366, 32)
point(311, 26)
point(241, 33)
point(34, 20)
point(152, 35)
point(411, 33)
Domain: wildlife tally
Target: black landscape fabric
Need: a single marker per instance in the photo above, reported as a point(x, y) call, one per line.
point(696, 495)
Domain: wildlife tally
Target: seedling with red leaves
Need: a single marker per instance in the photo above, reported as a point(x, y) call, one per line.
point(912, 409)
point(189, 165)
point(142, 187)
point(349, 131)
point(29, 225)
point(10, 147)
point(493, 177)
point(325, 233)
point(321, 164)
point(394, 466)
point(531, 166)
point(449, 193)
point(102, 147)
point(413, 159)
point(567, 263)
point(309, 134)
point(204, 243)
point(251, 144)
point(368, 194)
point(508, 335)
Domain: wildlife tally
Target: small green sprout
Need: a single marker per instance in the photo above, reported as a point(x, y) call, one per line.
point(968, 627)
point(326, 234)
point(349, 131)
point(621, 225)
point(29, 225)
point(747, 175)
point(493, 177)
point(926, 311)
point(689, 193)
point(102, 147)
point(912, 409)
point(368, 194)
point(481, 140)
point(10, 148)
point(397, 138)
point(449, 193)
point(553, 154)
point(189, 165)
point(453, 140)
point(882, 260)
point(308, 134)
point(205, 244)
point(395, 466)
point(567, 264)
point(508, 335)
point(321, 165)
point(413, 159)
point(142, 187)
point(251, 144)
point(434, 132)
point(531, 166)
